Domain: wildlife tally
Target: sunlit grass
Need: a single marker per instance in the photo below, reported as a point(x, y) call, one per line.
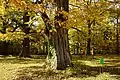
point(85, 68)
point(10, 65)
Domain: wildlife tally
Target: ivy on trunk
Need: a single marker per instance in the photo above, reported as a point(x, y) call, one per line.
point(58, 43)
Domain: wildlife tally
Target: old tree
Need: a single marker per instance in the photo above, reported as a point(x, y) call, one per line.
point(55, 34)
point(58, 39)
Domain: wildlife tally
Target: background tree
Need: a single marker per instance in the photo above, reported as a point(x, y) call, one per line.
point(86, 15)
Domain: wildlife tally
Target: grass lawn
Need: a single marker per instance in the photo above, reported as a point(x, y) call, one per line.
point(85, 68)
point(10, 66)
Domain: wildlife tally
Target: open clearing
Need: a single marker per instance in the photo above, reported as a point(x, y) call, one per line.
point(85, 68)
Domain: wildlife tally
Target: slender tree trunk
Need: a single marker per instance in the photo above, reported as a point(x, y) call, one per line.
point(77, 47)
point(46, 48)
point(74, 49)
point(117, 37)
point(89, 38)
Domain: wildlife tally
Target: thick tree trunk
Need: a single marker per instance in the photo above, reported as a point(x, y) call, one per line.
point(60, 43)
point(61, 38)
point(26, 47)
point(26, 41)
point(62, 49)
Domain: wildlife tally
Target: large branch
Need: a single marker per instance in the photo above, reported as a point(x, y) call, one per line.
point(46, 20)
point(78, 30)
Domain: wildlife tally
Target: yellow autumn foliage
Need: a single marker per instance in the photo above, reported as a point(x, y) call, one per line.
point(16, 36)
point(2, 10)
point(81, 13)
point(24, 6)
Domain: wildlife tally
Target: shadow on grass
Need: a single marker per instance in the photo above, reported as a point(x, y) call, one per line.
point(39, 73)
point(17, 60)
point(111, 66)
point(85, 70)
point(78, 71)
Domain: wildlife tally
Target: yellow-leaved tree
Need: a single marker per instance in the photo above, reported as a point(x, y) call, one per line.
point(84, 16)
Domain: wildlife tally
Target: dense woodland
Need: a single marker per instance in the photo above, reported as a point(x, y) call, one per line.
point(59, 30)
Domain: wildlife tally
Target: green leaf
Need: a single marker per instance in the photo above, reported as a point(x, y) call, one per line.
point(101, 60)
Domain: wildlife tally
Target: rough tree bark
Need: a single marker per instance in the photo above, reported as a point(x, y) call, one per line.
point(60, 37)
point(62, 49)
